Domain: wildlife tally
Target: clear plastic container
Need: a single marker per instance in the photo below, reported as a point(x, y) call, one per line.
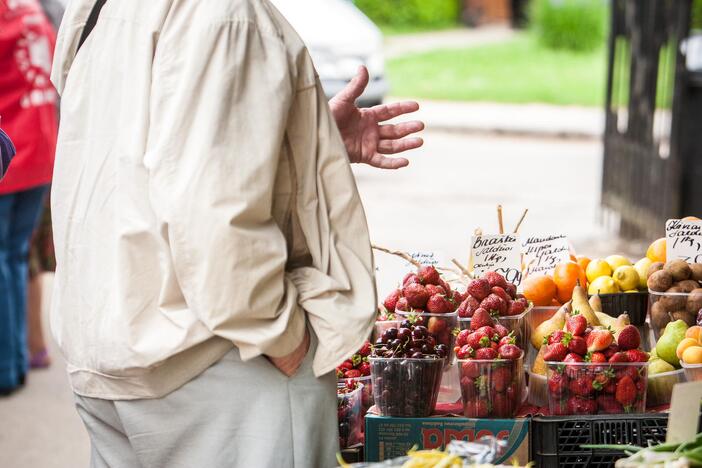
point(660, 387)
point(441, 327)
point(349, 411)
point(664, 307)
point(600, 388)
point(367, 394)
point(491, 388)
point(406, 387)
point(514, 323)
point(693, 372)
point(538, 391)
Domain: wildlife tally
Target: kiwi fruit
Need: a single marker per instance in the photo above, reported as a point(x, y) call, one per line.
point(678, 269)
point(694, 301)
point(659, 316)
point(687, 286)
point(696, 269)
point(673, 299)
point(654, 267)
point(660, 281)
point(683, 315)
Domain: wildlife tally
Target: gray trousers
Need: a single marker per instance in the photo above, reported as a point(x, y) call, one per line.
point(234, 414)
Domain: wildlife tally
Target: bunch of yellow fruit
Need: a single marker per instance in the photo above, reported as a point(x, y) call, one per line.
point(616, 274)
point(689, 350)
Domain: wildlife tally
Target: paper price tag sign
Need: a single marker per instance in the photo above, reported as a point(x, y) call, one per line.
point(683, 240)
point(543, 253)
point(500, 253)
point(426, 258)
point(684, 412)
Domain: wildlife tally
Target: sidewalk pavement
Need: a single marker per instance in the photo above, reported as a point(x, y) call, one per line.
point(403, 44)
point(536, 120)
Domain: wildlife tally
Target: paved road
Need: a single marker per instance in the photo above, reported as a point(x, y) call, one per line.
point(403, 44)
point(452, 187)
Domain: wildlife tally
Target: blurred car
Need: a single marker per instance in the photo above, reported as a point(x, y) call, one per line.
point(340, 38)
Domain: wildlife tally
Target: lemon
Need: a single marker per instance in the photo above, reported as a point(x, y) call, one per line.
point(615, 261)
point(641, 268)
point(626, 277)
point(603, 285)
point(597, 268)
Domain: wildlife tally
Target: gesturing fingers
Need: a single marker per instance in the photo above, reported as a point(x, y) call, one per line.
point(401, 130)
point(398, 146)
point(383, 162)
point(355, 87)
point(384, 112)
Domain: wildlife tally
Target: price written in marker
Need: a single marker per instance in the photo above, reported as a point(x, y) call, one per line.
point(543, 253)
point(684, 240)
point(500, 253)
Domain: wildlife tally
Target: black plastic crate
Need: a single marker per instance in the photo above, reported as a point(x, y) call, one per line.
point(635, 304)
point(557, 441)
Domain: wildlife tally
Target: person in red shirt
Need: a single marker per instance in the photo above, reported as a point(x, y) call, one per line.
point(28, 111)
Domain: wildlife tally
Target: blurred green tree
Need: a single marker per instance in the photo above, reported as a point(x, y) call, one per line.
point(411, 13)
point(569, 24)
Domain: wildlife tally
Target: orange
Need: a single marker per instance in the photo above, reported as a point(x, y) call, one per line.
point(691, 218)
point(541, 290)
point(694, 332)
point(692, 355)
point(684, 344)
point(565, 276)
point(656, 251)
point(555, 303)
point(583, 261)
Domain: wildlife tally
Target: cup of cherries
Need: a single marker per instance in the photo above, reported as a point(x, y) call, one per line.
point(406, 368)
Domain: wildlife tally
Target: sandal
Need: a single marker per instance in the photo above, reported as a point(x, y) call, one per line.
point(40, 360)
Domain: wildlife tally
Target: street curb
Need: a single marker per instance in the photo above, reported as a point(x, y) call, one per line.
point(512, 132)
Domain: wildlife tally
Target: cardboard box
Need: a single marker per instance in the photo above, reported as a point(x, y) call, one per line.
point(392, 437)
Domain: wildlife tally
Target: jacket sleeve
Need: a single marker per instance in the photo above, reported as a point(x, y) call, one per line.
point(7, 152)
point(219, 106)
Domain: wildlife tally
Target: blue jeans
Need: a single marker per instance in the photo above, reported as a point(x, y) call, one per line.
point(19, 213)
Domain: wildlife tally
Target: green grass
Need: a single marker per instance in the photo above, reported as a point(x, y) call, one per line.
point(518, 71)
point(391, 30)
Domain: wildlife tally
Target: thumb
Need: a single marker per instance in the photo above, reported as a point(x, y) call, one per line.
point(356, 86)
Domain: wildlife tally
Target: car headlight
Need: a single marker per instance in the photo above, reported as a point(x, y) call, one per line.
point(376, 65)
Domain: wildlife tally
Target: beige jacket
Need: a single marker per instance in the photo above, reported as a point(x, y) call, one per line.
point(202, 198)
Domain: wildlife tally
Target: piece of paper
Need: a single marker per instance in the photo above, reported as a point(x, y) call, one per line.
point(684, 413)
point(543, 253)
point(497, 252)
point(683, 240)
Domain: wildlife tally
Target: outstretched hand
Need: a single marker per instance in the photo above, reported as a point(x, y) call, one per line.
point(366, 140)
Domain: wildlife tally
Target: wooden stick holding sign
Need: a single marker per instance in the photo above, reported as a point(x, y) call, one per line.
point(398, 253)
point(516, 229)
point(499, 219)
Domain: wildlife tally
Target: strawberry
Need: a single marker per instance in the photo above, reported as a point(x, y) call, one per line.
point(455, 297)
point(619, 357)
point(510, 351)
point(416, 294)
point(462, 337)
point(500, 378)
point(410, 278)
point(438, 304)
point(481, 318)
point(572, 357)
point(511, 289)
point(501, 406)
point(625, 393)
point(470, 369)
point(577, 345)
point(555, 352)
point(364, 368)
point(365, 349)
point(557, 383)
point(477, 340)
point(494, 346)
point(495, 279)
point(613, 348)
point(391, 301)
point(582, 386)
point(428, 275)
point(502, 293)
point(508, 339)
point(435, 289)
point(445, 285)
point(485, 353)
point(464, 352)
point(402, 305)
point(476, 408)
point(490, 332)
point(599, 339)
point(610, 388)
point(516, 307)
point(629, 338)
point(352, 374)
point(467, 386)
point(576, 325)
point(636, 355)
point(494, 304)
point(556, 337)
point(346, 365)
point(595, 357)
point(501, 330)
point(578, 405)
point(479, 288)
point(628, 371)
point(468, 307)
point(609, 405)
point(436, 326)
point(602, 379)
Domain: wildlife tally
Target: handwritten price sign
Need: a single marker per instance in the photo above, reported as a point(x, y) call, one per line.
point(500, 253)
point(684, 240)
point(543, 253)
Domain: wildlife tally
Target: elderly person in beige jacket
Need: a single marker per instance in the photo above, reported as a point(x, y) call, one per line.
point(208, 233)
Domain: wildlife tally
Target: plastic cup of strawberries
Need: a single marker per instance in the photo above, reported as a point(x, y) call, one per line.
point(357, 369)
point(491, 388)
point(349, 411)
